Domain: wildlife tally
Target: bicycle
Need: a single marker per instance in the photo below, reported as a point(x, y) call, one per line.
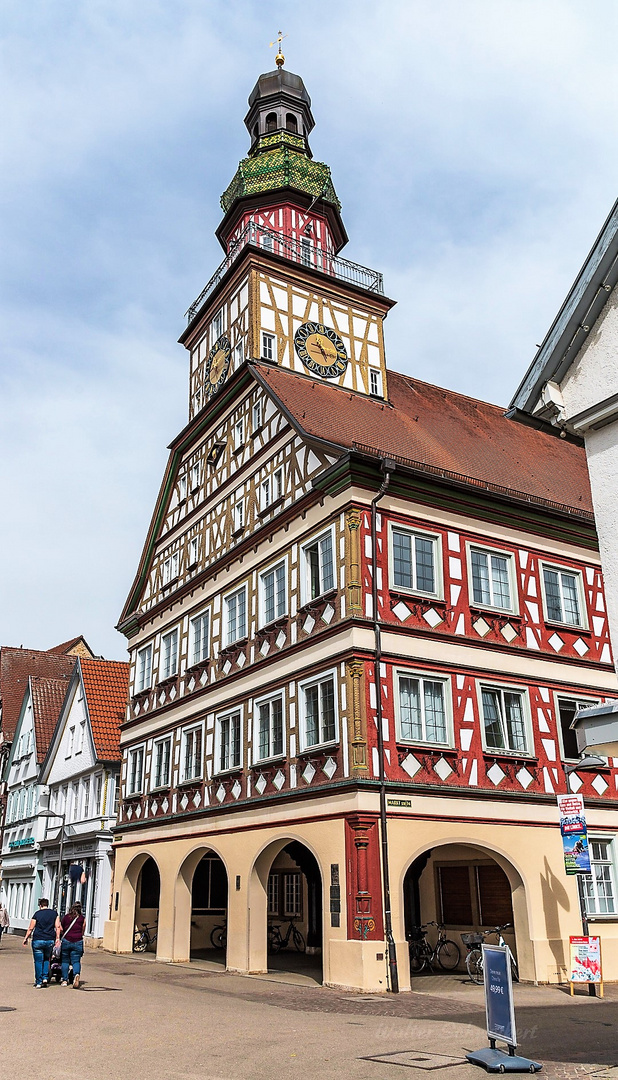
point(423, 955)
point(218, 936)
point(474, 956)
point(143, 938)
point(277, 942)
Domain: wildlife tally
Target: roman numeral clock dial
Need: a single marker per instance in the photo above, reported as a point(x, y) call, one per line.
point(217, 365)
point(321, 350)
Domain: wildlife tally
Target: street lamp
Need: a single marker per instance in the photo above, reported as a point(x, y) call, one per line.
point(53, 814)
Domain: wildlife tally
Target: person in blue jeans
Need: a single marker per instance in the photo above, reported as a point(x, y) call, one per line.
point(44, 929)
point(73, 924)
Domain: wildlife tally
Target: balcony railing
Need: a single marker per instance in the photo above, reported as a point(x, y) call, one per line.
point(304, 252)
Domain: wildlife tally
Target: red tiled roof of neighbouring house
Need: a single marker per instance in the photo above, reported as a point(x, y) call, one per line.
point(77, 646)
point(434, 429)
point(47, 698)
point(106, 683)
point(16, 665)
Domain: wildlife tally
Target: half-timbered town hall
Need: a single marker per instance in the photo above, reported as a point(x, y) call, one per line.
point(365, 615)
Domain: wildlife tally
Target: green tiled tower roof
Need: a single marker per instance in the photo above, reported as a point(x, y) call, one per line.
point(280, 167)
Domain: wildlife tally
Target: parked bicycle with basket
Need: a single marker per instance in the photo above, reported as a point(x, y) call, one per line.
point(474, 956)
point(446, 953)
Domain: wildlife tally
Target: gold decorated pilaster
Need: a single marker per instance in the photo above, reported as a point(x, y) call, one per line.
point(355, 592)
point(355, 670)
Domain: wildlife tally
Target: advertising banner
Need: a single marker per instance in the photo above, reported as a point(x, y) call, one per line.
point(574, 834)
point(499, 1007)
point(585, 960)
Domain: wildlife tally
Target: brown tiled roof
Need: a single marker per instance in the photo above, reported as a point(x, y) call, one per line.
point(77, 646)
point(47, 698)
point(106, 683)
point(15, 667)
point(434, 429)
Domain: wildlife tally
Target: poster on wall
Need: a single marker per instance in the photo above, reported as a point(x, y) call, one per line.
point(585, 960)
point(574, 834)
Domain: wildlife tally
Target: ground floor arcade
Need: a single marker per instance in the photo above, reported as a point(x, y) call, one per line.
point(223, 883)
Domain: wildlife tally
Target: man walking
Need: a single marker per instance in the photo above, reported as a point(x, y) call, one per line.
point(44, 929)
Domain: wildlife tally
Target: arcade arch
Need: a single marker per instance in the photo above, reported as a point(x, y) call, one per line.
point(200, 905)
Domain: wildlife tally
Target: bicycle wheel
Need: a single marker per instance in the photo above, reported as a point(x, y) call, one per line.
point(298, 939)
point(418, 957)
point(140, 944)
point(474, 965)
point(448, 954)
point(275, 941)
point(218, 937)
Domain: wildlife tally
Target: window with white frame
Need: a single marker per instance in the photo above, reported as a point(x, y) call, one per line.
point(162, 761)
point(86, 803)
point(228, 741)
point(143, 669)
point(239, 354)
point(70, 741)
point(273, 593)
point(319, 566)
point(504, 719)
point(81, 734)
point(375, 382)
point(239, 434)
point(199, 638)
point(239, 515)
point(197, 400)
point(216, 327)
point(268, 736)
point(98, 787)
point(193, 550)
point(423, 709)
point(319, 711)
point(236, 616)
point(305, 251)
point(599, 887)
point(567, 710)
point(256, 416)
point(182, 488)
point(268, 346)
point(563, 596)
point(195, 476)
point(414, 561)
point(170, 568)
point(267, 241)
point(192, 753)
point(135, 778)
point(492, 578)
point(169, 654)
point(277, 485)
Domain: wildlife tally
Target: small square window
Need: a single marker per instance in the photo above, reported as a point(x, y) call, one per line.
point(563, 596)
point(273, 594)
point(228, 742)
point(492, 579)
point(319, 566)
point(199, 632)
point(143, 669)
point(162, 762)
point(235, 606)
point(414, 561)
point(169, 654)
point(268, 346)
point(504, 719)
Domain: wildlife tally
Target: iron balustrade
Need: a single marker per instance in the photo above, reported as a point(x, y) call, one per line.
point(303, 251)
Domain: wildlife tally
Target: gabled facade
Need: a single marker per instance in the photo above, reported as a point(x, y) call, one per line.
point(80, 775)
point(367, 610)
point(25, 829)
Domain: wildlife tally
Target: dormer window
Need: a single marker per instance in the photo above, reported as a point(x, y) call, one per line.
point(271, 122)
point(291, 123)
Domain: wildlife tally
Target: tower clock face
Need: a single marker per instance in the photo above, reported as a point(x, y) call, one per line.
point(217, 365)
point(321, 350)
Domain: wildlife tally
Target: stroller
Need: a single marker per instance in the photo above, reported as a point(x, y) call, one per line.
point(55, 966)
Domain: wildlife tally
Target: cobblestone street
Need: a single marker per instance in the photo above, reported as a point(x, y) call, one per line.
point(136, 1019)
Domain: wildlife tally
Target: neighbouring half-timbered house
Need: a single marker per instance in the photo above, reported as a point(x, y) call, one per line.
point(365, 615)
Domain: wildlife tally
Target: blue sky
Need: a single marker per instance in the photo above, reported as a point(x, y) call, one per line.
point(472, 144)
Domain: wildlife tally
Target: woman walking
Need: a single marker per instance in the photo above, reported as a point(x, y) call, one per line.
point(44, 928)
point(73, 925)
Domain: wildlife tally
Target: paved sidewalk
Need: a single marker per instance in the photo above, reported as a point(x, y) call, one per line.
point(138, 1020)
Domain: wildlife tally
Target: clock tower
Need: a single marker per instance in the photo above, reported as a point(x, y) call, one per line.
point(283, 294)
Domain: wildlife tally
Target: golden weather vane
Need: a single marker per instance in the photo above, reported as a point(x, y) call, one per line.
point(279, 58)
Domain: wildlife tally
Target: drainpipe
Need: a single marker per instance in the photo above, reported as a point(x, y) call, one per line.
point(387, 469)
